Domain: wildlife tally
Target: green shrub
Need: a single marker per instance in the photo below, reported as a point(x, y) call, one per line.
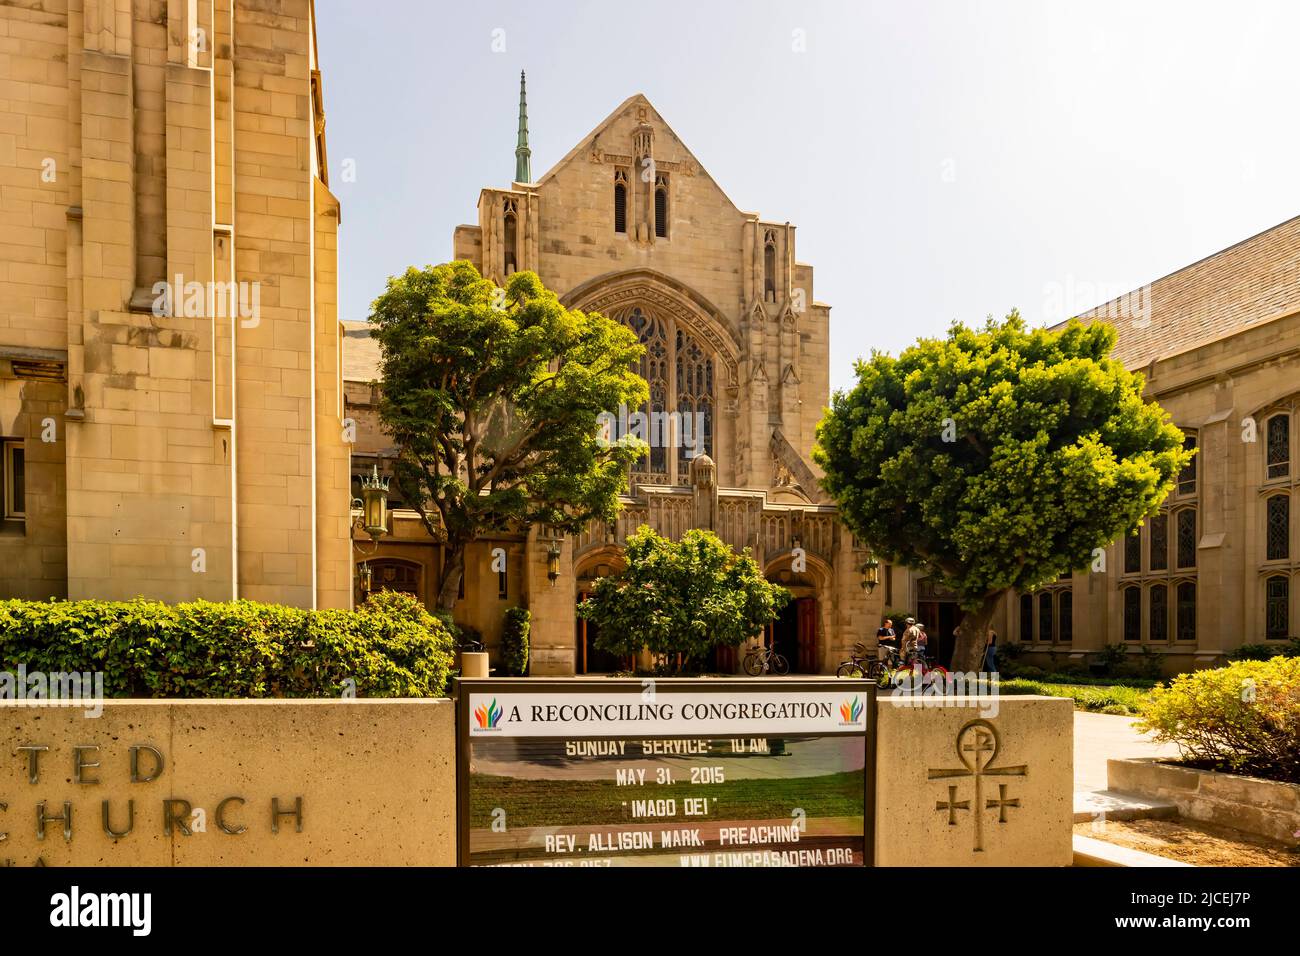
point(389, 647)
point(1243, 718)
point(1093, 697)
point(1263, 652)
point(1112, 658)
point(513, 661)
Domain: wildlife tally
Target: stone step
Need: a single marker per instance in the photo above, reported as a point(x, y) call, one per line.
point(1114, 805)
point(1090, 852)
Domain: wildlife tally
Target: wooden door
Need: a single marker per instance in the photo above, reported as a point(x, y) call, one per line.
point(807, 616)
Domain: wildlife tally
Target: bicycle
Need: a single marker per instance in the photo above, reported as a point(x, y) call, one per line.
point(762, 659)
point(872, 668)
point(918, 667)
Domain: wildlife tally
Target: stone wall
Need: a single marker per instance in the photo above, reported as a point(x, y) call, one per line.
point(374, 781)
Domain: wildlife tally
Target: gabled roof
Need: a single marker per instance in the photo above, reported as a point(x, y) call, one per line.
point(591, 140)
point(1255, 281)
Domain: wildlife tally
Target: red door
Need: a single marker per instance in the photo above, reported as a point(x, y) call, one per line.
point(807, 612)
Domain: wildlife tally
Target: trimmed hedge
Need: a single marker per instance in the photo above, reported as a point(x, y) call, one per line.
point(389, 647)
point(1243, 718)
point(514, 642)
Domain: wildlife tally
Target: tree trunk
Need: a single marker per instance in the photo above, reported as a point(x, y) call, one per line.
point(973, 636)
point(452, 571)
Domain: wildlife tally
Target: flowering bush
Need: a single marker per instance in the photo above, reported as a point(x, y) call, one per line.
point(1243, 718)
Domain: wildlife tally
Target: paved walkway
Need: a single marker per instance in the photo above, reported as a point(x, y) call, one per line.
point(1099, 737)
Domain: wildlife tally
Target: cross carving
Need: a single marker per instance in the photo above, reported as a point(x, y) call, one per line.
point(977, 749)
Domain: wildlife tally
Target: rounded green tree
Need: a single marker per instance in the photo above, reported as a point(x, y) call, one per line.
point(493, 398)
point(681, 597)
point(996, 459)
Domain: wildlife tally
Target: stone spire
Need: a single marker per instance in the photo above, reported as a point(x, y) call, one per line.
point(523, 155)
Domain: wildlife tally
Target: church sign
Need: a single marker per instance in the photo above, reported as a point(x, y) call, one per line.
point(666, 772)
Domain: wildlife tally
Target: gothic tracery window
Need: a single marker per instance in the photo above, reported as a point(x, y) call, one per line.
point(681, 412)
point(1186, 528)
point(620, 201)
point(1278, 533)
point(1186, 611)
point(1159, 541)
point(1159, 623)
point(661, 206)
point(1277, 607)
point(1278, 445)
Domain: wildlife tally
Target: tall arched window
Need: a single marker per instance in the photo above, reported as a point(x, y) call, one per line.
point(769, 267)
point(1185, 522)
point(1133, 613)
point(1277, 535)
point(1159, 541)
point(1067, 617)
point(1159, 623)
point(1186, 627)
point(661, 206)
point(1045, 617)
point(1187, 477)
point(1133, 553)
point(1277, 607)
point(509, 238)
point(620, 201)
point(1026, 618)
point(1278, 446)
point(681, 411)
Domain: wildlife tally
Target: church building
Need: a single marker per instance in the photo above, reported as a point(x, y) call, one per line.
point(631, 225)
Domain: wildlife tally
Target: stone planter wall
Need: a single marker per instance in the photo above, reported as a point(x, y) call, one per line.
point(1263, 807)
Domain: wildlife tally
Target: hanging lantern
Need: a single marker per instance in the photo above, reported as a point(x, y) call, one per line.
point(553, 562)
point(374, 505)
point(366, 576)
point(870, 572)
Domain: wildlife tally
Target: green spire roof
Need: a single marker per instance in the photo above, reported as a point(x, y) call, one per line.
point(523, 155)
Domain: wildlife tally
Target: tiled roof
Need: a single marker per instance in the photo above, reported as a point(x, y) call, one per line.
point(360, 353)
point(1251, 282)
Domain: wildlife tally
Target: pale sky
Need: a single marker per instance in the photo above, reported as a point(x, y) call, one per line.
point(942, 160)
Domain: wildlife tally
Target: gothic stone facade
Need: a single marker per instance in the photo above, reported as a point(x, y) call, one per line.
point(195, 449)
point(631, 225)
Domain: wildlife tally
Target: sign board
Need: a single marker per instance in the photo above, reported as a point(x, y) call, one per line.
point(665, 772)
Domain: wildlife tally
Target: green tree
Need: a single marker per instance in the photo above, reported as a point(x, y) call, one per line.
point(685, 597)
point(492, 398)
point(997, 458)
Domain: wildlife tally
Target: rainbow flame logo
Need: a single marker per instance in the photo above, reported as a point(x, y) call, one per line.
point(851, 710)
point(487, 715)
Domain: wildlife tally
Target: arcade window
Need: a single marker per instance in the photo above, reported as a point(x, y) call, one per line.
point(769, 266)
point(1133, 553)
point(1278, 444)
point(1159, 623)
point(1277, 607)
point(620, 201)
point(510, 237)
point(1026, 618)
point(1133, 613)
point(1159, 542)
point(661, 206)
point(1066, 617)
point(1187, 477)
point(1187, 611)
point(15, 480)
point(1045, 619)
point(1278, 534)
point(1186, 526)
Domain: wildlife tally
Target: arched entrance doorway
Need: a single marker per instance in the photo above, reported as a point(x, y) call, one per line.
point(588, 658)
point(796, 632)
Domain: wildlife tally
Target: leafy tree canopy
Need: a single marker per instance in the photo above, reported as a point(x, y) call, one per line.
point(491, 397)
point(997, 458)
point(685, 597)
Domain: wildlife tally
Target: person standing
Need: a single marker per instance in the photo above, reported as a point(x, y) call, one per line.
point(911, 635)
point(886, 639)
point(991, 653)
